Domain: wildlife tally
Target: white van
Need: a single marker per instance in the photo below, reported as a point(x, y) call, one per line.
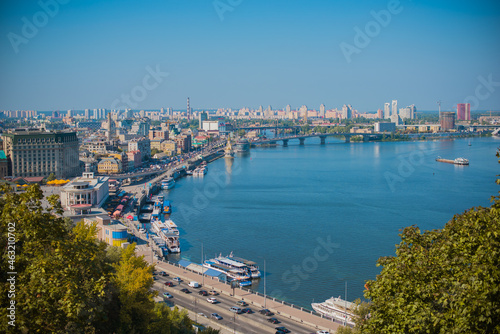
point(235, 309)
point(194, 284)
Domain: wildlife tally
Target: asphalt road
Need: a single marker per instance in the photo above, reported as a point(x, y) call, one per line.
point(254, 323)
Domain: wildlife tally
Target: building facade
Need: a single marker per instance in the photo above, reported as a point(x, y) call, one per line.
point(85, 192)
point(109, 166)
point(447, 120)
point(463, 112)
point(4, 165)
point(40, 153)
point(140, 144)
point(385, 127)
point(111, 232)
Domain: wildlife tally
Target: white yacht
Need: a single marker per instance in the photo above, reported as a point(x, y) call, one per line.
point(168, 183)
point(336, 308)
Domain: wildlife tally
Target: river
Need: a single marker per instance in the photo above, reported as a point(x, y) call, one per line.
point(321, 215)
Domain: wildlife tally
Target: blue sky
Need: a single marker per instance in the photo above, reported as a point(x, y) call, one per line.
point(87, 54)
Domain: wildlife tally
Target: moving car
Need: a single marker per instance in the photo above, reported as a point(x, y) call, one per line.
point(235, 309)
point(282, 329)
point(273, 320)
point(216, 316)
point(266, 312)
point(169, 283)
point(167, 295)
point(185, 290)
point(212, 300)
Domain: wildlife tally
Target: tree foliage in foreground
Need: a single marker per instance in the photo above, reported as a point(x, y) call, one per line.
point(68, 282)
point(440, 281)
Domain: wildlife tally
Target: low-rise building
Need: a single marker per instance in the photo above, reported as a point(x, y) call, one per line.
point(109, 166)
point(110, 231)
point(169, 147)
point(85, 192)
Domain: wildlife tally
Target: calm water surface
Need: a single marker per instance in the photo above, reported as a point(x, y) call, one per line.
point(321, 215)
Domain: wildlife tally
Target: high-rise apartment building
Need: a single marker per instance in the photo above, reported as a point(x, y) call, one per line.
point(463, 112)
point(322, 110)
point(394, 110)
point(387, 110)
point(31, 152)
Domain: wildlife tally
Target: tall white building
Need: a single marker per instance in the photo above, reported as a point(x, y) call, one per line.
point(346, 111)
point(394, 107)
point(408, 112)
point(387, 110)
point(288, 108)
point(322, 110)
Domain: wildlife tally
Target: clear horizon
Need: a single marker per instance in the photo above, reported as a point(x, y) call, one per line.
point(60, 55)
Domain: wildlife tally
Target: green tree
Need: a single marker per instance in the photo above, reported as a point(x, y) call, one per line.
point(62, 276)
point(134, 281)
point(51, 177)
point(441, 281)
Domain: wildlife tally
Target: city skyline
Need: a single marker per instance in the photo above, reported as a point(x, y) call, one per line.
point(60, 55)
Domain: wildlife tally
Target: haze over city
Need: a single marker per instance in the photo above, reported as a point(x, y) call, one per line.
point(234, 54)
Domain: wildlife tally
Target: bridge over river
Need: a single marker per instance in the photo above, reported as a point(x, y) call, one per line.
point(322, 137)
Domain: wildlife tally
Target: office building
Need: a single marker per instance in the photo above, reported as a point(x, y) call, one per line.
point(385, 127)
point(202, 117)
point(463, 112)
point(32, 152)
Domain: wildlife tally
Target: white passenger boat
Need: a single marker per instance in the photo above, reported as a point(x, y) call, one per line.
point(168, 183)
point(165, 228)
point(337, 309)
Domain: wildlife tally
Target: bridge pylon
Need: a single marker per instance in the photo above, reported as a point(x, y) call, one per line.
point(285, 142)
point(301, 141)
point(323, 139)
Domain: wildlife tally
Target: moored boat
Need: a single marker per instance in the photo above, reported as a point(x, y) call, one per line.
point(336, 309)
point(168, 183)
point(242, 145)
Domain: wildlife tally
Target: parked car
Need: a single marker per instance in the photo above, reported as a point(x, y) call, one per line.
point(167, 295)
point(216, 316)
point(212, 300)
point(273, 320)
